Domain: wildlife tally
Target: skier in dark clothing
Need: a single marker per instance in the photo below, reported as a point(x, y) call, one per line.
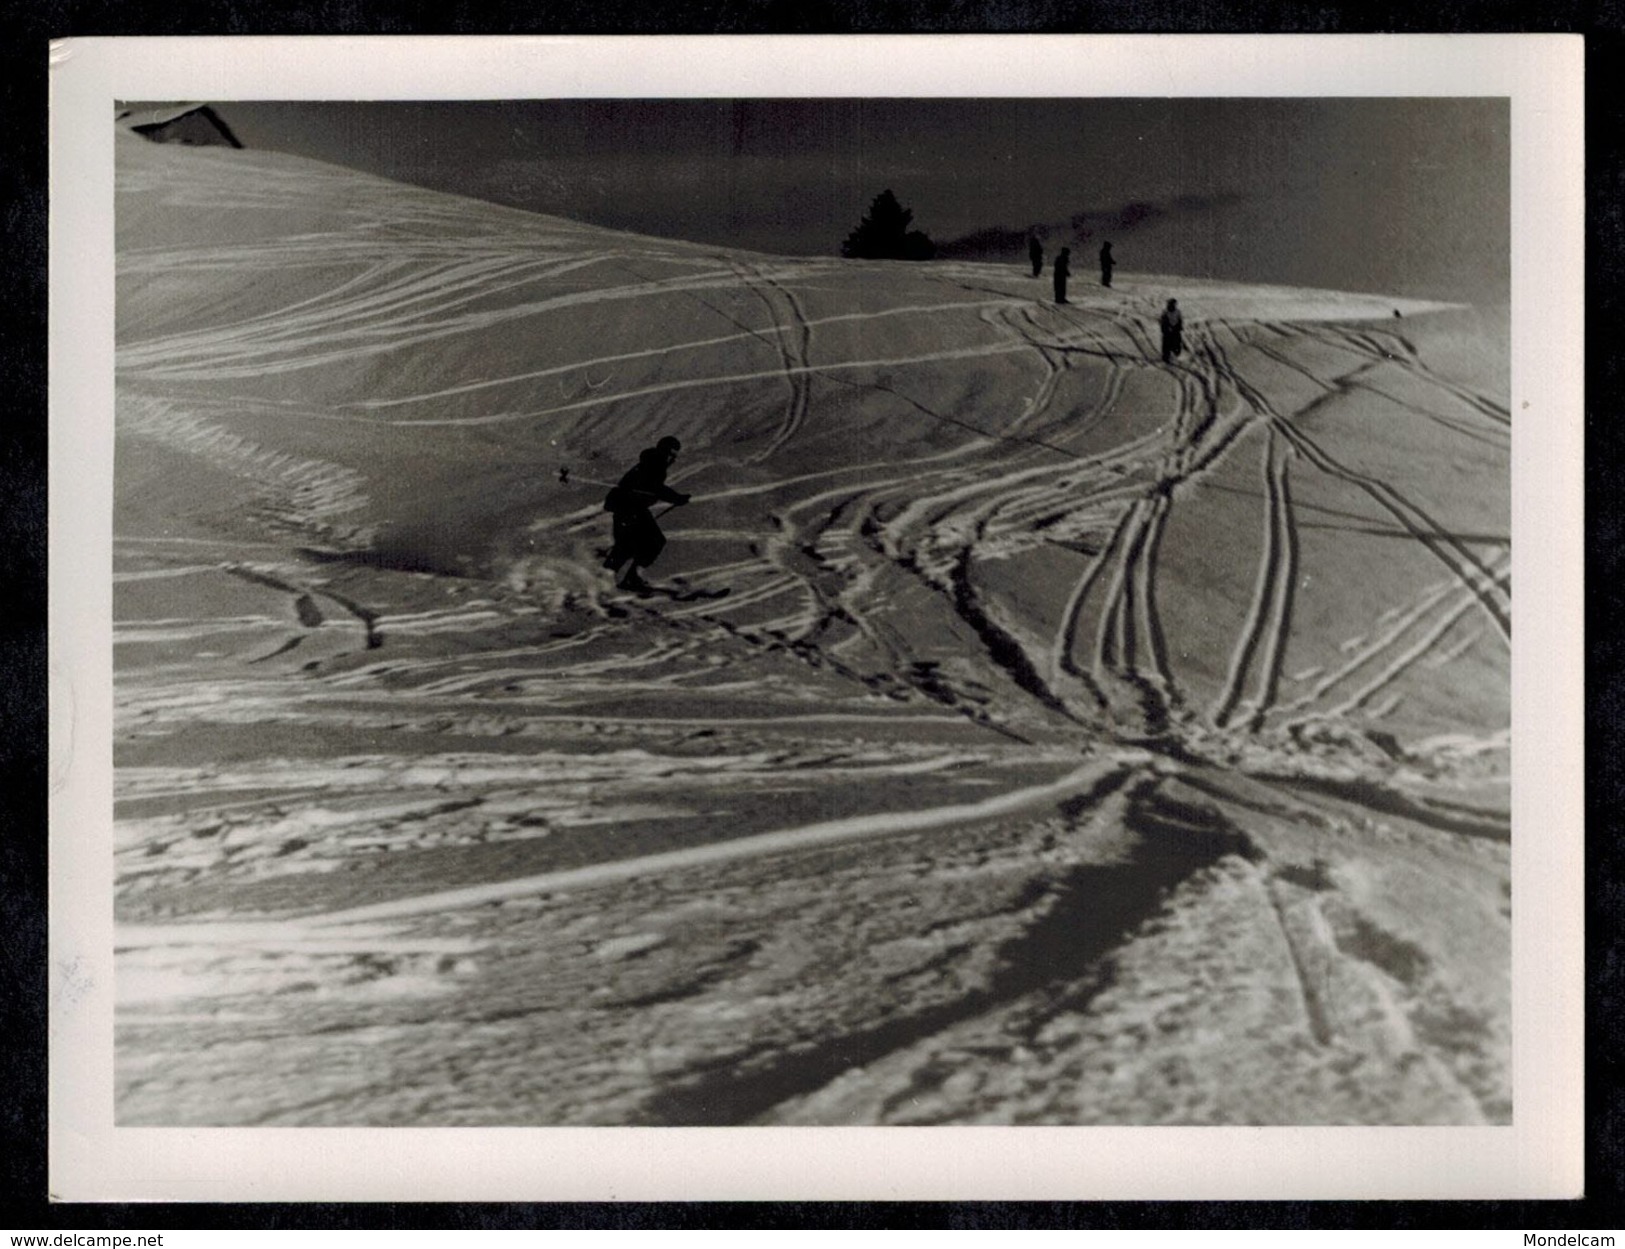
point(1035, 253)
point(638, 540)
point(1173, 331)
point(1061, 268)
point(1106, 264)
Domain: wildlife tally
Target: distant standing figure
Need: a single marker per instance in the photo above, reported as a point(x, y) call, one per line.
point(1173, 331)
point(1035, 253)
point(638, 540)
point(1061, 267)
point(1106, 264)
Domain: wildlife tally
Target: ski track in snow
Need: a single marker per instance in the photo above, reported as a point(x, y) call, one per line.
point(999, 589)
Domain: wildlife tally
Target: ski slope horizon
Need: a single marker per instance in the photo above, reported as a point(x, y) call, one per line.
point(1407, 197)
point(1082, 739)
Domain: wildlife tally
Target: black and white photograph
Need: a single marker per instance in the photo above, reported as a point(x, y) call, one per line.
point(803, 611)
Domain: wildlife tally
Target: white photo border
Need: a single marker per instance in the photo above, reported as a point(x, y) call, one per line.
point(1539, 1156)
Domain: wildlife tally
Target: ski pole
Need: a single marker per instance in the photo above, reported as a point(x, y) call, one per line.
point(566, 479)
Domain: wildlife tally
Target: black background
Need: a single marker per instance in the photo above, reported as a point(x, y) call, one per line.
point(26, 26)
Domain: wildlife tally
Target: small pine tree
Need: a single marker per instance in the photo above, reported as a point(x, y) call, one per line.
point(883, 234)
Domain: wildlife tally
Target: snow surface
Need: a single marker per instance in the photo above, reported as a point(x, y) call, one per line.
point(1083, 739)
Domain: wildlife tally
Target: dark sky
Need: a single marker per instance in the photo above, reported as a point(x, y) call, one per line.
point(1409, 197)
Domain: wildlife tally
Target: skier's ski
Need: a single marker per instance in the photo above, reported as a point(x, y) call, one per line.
point(678, 593)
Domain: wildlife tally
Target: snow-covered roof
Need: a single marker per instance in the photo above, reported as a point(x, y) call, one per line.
point(155, 114)
point(185, 123)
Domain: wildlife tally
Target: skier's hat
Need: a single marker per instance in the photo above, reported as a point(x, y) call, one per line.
point(668, 443)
